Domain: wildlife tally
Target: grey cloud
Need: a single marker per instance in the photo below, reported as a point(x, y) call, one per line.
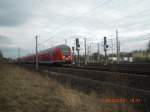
point(9, 52)
point(12, 52)
point(64, 19)
point(14, 12)
point(4, 40)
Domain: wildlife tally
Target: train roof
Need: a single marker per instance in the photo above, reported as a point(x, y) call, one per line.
point(48, 50)
point(58, 46)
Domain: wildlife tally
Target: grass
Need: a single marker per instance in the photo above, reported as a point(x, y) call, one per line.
point(24, 91)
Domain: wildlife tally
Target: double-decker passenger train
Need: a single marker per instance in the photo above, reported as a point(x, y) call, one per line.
point(60, 54)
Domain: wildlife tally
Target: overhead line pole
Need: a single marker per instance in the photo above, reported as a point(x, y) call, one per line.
point(19, 54)
point(85, 51)
point(98, 52)
point(88, 53)
point(36, 65)
point(118, 47)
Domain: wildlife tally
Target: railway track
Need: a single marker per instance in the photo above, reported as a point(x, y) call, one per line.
point(126, 85)
point(123, 68)
point(131, 80)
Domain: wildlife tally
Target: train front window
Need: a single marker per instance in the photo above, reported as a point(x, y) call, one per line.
point(66, 51)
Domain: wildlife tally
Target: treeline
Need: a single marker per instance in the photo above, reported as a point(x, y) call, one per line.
point(1, 54)
point(141, 56)
point(137, 56)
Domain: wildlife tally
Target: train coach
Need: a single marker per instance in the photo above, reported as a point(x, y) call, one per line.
point(60, 54)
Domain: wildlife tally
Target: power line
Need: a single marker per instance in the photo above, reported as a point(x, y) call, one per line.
point(89, 13)
point(135, 40)
point(84, 14)
point(132, 25)
point(132, 15)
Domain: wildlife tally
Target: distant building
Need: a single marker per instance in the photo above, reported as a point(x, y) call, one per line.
point(124, 59)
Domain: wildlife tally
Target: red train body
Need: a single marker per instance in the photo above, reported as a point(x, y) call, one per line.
point(59, 54)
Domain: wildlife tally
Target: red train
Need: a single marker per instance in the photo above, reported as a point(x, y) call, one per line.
point(60, 54)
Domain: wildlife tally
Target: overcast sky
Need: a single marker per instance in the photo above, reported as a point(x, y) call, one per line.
point(55, 21)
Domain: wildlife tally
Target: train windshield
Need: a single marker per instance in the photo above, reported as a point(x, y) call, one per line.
point(66, 51)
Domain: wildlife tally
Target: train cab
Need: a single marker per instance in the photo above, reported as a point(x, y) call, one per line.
point(67, 56)
point(62, 54)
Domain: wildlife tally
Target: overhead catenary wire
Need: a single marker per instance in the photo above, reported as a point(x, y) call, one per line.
point(88, 13)
point(74, 19)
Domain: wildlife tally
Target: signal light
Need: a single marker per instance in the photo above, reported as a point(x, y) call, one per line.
point(77, 44)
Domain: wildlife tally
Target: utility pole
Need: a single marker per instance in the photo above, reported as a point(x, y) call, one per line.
point(88, 50)
point(36, 65)
point(19, 54)
point(91, 57)
point(118, 47)
point(98, 52)
point(85, 51)
point(112, 46)
point(148, 47)
point(90, 53)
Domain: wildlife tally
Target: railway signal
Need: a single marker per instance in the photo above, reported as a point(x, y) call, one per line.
point(105, 49)
point(78, 48)
point(73, 53)
point(77, 44)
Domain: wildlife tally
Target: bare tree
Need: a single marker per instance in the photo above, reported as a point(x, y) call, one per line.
point(148, 47)
point(1, 54)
